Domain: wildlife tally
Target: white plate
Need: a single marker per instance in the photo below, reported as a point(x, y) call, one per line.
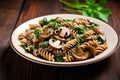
point(110, 34)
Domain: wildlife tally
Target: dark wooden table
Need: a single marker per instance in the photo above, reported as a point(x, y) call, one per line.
point(14, 67)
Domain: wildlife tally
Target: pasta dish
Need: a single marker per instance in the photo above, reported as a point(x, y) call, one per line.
point(64, 40)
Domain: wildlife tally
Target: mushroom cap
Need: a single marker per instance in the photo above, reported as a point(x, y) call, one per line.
point(46, 34)
point(80, 54)
point(56, 44)
point(59, 38)
point(83, 56)
point(92, 50)
point(63, 32)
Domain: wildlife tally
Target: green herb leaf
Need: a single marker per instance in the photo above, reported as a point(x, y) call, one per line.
point(80, 30)
point(73, 5)
point(45, 20)
point(90, 1)
point(45, 44)
point(52, 37)
point(59, 58)
point(36, 32)
point(89, 8)
point(100, 39)
point(102, 2)
point(24, 47)
point(45, 28)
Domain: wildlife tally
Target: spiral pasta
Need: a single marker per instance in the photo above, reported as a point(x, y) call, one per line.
point(68, 58)
point(70, 44)
point(101, 48)
point(48, 56)
point(73, 33)
point(63, 40)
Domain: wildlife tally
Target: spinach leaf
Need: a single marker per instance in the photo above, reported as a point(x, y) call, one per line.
point(36, 32)
point(59, 58)
point(45, 21)
point(45, 44)
point(80, 30)
point(24, 47)
point(100, 39)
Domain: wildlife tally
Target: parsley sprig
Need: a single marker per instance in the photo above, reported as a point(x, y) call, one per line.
point(88, 8)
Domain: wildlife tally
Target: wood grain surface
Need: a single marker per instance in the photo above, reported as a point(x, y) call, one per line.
point(14, 67)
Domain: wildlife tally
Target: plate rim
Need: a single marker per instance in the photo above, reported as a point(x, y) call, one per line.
point(64, 64)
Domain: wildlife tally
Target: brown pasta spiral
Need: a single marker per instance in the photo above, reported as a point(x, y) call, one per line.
point(34, 26)
point(101, 48)
point(21, 36)
point(68, 58)
point(70, 44)
point(82, 21)
point(92, 43)
point(73, 33)
point(89, 33)
point(46, 55)
point(97, 30)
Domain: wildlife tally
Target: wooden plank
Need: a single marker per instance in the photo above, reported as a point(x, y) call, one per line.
point(9, 13)
point(22, 69)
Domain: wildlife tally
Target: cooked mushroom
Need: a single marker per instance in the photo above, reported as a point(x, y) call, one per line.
point(62, 33)
point(59, 38)
point(46, 34)
point(56, 44)
point(80, 55)
point(91, 49)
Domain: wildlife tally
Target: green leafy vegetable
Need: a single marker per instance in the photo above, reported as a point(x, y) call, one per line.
point(88, 8)
point(100, 39)
point(24, 47)
point(69, 20)
point(45, 20)
point(57, 25)
point(52, 37)
point(45, 44)
point(59, 58)
point(31, 48)
point(80, 30)
point(45, 28)
point(36, 32)
point(81, 40)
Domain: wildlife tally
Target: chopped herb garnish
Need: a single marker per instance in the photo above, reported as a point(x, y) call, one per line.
point(45, 21)
point(69, 20)
point(44, 28)
point(81, 40)
point(57, 25)
point(45, 44)
point(24, 47)
point(52, 37)
point(80, 30)
point(100, 39)
point(59, 58)
point(94, 24)
point(36, 32)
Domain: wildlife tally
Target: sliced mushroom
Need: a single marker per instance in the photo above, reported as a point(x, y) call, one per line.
point(64, 32)
point(59, 38)
point(91, 49)
point(46, 34)
point(56, 44)
point(80, 55)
